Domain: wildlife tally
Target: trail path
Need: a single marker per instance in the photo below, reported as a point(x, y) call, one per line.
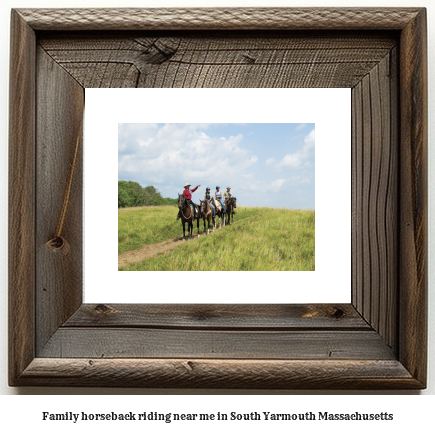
point(150, 250)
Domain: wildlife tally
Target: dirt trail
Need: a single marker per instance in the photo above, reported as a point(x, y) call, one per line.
point(150, 250)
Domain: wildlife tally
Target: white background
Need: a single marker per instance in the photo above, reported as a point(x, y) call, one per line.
point(329, 109)
point(413, 413)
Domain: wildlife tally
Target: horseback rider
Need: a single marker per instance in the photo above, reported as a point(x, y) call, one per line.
point(218, 197)
point(188, 196)
point(227, 196)
point(208, 197)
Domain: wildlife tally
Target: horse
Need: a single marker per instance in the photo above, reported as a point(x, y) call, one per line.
point(186, 216)
point(207, 214)
point(219, 212)
point(230, 205)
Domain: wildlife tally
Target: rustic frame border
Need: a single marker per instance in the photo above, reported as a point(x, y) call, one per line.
point(371, 358)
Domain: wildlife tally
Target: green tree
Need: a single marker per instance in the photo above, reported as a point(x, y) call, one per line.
point(131, 193)
point(123, 198)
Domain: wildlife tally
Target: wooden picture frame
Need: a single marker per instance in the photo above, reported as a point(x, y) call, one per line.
point(376, 342)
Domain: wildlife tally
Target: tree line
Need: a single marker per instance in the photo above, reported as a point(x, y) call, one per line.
point(131, 193)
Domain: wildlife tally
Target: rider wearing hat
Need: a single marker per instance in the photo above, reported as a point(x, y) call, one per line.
point(188, 196)
point(218, 197)
point(208, 197)
point(227, 195)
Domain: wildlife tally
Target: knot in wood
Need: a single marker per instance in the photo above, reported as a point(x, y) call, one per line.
point(103, 309)
point(338, 313)
point(249, 59)
point(58, 244)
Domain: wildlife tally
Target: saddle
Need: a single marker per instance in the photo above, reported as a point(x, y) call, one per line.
point(217, 205)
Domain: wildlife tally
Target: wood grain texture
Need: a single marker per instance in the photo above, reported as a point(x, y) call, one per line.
point(250, 374)
point(356, 199)
point(220, 18)
point(379, 342)
point(127, 342)
point(375, 198)
point(220, 317)
point(234, 61)
point(21, 197)
point(392, 324)
point(59, 278)
point(413, 187)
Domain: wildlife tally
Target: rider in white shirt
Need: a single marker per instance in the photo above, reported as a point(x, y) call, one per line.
point(218, 197)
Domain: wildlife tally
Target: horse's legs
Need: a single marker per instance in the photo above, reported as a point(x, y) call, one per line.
point(184, 230)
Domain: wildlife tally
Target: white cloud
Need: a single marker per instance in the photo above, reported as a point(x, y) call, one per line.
point(276, 185)
point(180, 152)
point(259, 185)
point(145, 143)
point(292, 161)
point(310, 140)
point(300, 126)
point(299, 159)
point(168, 156)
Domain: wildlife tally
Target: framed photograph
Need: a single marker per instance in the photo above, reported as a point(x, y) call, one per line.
point(282, 173)
point(377, 341)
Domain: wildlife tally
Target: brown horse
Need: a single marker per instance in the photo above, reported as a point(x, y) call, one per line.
point(186, 216)
point(207, 214)
point(230, 205)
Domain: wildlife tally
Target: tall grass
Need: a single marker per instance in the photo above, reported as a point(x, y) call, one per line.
point(271, 240)
point(152, 224)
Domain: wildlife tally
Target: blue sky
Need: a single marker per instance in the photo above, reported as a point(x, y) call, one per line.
point(264, 164)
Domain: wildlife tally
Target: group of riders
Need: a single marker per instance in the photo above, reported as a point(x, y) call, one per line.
point(215, 202)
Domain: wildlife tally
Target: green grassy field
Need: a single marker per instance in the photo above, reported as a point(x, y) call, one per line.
point(269, 240)
point(151, 224)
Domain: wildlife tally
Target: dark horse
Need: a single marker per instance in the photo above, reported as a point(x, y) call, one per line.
point(207, 214)
point(186, 216)
point(230, 205)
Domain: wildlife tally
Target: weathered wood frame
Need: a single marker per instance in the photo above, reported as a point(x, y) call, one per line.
point(377, 341)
